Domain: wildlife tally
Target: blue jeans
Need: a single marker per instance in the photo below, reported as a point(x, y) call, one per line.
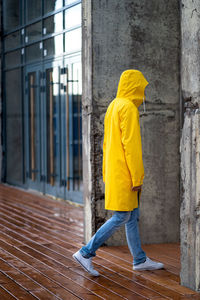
point(130, 219)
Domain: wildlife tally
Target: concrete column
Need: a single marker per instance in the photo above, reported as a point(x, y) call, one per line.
point(144, 35)
point(190, 145)
point(87, 121)
point(190, 206)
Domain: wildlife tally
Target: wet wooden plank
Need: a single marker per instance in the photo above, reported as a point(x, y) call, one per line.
point(171, 264)
point(4, 295)
point(57, 273)
point(52, 224)
point(29, 283)
point(138, 291)
point(63, 287)
point(41, 203)
point(40, 226)
point(139, 278)
point(38, 237)
point(64, 222)
point(107, 283)
point(17, 290)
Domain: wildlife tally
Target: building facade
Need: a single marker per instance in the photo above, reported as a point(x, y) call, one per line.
point(41, 76)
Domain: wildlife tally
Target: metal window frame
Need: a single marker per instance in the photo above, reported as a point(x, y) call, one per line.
point(25, 24)
point(44, 16)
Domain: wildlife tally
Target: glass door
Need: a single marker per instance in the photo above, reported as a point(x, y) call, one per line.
point(32, 128)
point(72, 125)
point(52, 159)
point(42, 126)
point(53, 129)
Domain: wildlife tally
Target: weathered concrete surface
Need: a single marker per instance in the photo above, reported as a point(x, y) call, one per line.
point(87, 137)
point(142, 35)
point(190, 62)
point(190, 145)
point(190, 206)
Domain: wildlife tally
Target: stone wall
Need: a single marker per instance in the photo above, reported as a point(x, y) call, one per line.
point(144, 35)
point(190, 205)
point(190, 145)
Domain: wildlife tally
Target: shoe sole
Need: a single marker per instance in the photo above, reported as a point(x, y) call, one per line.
point(78, 261)
point(148, 269)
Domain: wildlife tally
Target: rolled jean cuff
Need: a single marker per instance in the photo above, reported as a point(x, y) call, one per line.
point(85, 253)
point(139, 261)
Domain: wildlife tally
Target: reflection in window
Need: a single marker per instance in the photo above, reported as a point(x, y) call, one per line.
point(11, 14)
point(34, 9)
point(77, 127)
point(14, 144)
point(73, 16)
point(53, 24)
point(33, 52)
point(52, 111)
point(73, 41)
point(33, 32)
point(51, 5)
point(67, 2)
point(12, 40)
point(13, 59)
point(33, 116)
point(53, 46)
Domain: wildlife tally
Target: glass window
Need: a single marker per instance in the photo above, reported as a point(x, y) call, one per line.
point(33, 32)
point(33, 120)
point(67, 2)
point(14, 142)
point(77, 78)
point(11, 13)
point(73, 16)
point(13, 59)
point(53, 24)
point(33, 9)
point(52, 109)
point(53, 46)
point(33, 52)
point(51, 5)
point(12, 40)
point(73, 40)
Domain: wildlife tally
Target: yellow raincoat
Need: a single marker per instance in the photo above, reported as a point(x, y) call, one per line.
point(122, 148)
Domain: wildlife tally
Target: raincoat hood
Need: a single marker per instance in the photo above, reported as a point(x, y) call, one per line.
point(131, 86)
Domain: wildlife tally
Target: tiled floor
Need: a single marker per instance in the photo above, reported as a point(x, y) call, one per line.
point(37, 239)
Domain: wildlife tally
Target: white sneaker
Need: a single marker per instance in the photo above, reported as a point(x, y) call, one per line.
point(86, 263)
point(148, 265)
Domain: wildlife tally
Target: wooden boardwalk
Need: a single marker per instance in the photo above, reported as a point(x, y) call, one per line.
point(37, 239)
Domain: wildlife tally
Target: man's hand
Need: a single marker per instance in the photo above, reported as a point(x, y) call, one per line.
point(136, 188)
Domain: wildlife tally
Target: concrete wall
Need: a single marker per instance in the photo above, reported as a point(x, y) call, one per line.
point(142, 35)
point(190, 205)
point(190, 145)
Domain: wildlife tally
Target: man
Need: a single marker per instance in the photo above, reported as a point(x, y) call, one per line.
point(123, 173)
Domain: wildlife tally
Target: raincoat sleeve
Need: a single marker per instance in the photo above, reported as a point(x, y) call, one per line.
point(132, 145)
point(104, 150)
point(104, 153)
